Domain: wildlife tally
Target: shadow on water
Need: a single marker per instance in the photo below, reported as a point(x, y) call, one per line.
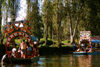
point(63, 61)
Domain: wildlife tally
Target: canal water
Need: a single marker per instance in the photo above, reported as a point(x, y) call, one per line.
point(63, 61)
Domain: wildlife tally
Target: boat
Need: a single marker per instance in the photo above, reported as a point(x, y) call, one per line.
point(86, 53)
point(87, 44)
point(19, 30)
point(21, 60)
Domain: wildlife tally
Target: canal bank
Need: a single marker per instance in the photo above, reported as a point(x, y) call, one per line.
point(2, 50)
point(55, 50)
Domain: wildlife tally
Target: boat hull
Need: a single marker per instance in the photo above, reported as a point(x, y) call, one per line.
point(21, 60)
point(86, 53)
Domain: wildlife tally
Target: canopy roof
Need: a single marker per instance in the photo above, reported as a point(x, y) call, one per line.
point(34, 38)
point(95, 41)
point(17, 29)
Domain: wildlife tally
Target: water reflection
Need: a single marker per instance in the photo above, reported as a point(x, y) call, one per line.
point(63, 61)
point(82, 61)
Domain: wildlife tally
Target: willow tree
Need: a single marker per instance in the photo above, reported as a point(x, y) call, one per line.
point(28, 8)
point(47, 19)
point(0, 14)
point(34, 19)
point(1, 36)
point(57, 19)
point(13, 6)
point(73, 15)
point(93, 16)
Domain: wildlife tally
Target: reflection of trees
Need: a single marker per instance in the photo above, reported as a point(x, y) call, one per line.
point(64, 61)
point(53, 62)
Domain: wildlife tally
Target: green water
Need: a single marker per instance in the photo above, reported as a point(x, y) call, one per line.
point(62, 61)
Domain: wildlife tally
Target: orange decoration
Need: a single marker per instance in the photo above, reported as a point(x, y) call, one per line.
point(4, 31)
point(29, 28)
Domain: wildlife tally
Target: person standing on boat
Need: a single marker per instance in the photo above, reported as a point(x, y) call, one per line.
point(74, 46)
point(23, 47)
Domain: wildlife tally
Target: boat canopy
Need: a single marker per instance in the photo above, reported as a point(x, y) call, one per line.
point(34, 38)
point(85, 37)
point(95, 41)
point(17, 29)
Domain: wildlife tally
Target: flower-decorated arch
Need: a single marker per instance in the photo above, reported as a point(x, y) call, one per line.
point(18, 34)
point(17, 29)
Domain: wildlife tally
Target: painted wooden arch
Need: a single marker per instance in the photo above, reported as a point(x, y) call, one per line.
point(85, 37)
point(18, 34)
point(17, 29)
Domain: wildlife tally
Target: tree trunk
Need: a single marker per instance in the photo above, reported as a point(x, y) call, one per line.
point(71, 39)
point(28, 7)
point(13, 14)
point(0, 20)
point(6, 14)
point(71, 32)
point(46, 33)
point(51, 29)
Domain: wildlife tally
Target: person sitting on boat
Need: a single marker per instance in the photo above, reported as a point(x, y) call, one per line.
point(14, 50)
point(23, 47)
point(83, 47)
point(90, 50)
point(29, 49)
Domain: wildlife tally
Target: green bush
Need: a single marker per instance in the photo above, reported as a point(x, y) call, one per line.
point(49, 42)
point(66, 41)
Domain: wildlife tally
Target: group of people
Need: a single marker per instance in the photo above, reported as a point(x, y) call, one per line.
point(24, 49)
point(85, 47)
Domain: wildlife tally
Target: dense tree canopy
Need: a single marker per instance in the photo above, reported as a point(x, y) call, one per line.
point(58, 20)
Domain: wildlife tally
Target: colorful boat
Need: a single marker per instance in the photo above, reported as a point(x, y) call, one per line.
point(87, 44)
point(21, 60)
point(86, 53)
point(20, 30)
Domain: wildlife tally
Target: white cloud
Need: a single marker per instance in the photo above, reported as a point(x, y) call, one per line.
point(22, 11)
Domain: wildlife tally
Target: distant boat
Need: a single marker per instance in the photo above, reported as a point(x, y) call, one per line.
point(86, 53)
point(87, 40)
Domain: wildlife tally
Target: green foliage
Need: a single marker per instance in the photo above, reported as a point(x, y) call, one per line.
point(47, 19)
point(34, 19)
point(66, 41)
point(49, 42)
point(60, 19)
point(67, 46)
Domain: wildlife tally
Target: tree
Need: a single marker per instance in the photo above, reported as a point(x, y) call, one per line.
point(74, 14)
point(34, 20)
point(57, 18)
point(47, 19)
point(0, 14)
point(13, 8)
point(28, 8)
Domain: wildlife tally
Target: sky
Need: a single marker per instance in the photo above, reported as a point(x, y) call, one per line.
point(22, 12)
